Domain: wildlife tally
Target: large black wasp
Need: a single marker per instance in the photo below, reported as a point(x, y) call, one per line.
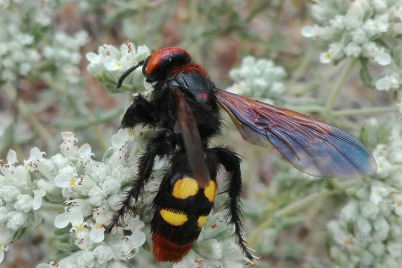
point(184, 110)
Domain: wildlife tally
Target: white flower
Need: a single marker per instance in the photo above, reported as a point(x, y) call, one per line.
point(113, 65)
point(377, 194)
point(112, 62)
point(310, 31)
point(123, 249)
point(394, 249)
point(48, 265)
point(377, 248)
point(380, 56)
point(69, 147)
point(257, 78)
point(16, 220)
point(136, 239)
point(369, 210)
point(334, 52)
point(134, 224)
point(103, 254)
point(357, 29)
point(37, 200)
point(9, 193)
point(24, 203)
point(76, 219)
point(350, 211)
point(389, 81)
point(397, 204)
point(72, 216)
point(65, 180)
point(86, 259)
point(381, 228)
point(85, 155)
point(34, 160)
point(96, 196)
point(340, 234)
point(5, 238)
point(97, 233)
point(383, 165)
point(9, 168)
point(363, 226)
point(119, 146)
point(119, 140)
point(110, 186)
point(352, 50)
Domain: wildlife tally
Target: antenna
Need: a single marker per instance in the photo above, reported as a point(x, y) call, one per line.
point(126, 73)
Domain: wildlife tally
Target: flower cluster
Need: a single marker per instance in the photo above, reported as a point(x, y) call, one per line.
point(20, 196)
point(110, 63)
point(258, 79)
point(25, 46)
point(360, 29)
point(368, 232)
point(64, 54)
point(91, 191)
point(215, 247)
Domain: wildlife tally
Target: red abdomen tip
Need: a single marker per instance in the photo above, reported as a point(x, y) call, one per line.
point(164, 250)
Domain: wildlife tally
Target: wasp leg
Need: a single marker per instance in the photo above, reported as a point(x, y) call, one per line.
point(161, 144)
point(139, 112)
point(231, 161)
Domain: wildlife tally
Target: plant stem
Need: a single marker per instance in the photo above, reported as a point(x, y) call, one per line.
point(79, 109)
point(26, 113)
point(347, 112)
point(299, 205)
point(337, 88)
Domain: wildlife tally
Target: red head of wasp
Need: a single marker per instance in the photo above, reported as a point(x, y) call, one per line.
point(184, 110)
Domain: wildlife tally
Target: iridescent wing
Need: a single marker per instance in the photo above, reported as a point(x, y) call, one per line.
point(187, 126)
point(311, 145)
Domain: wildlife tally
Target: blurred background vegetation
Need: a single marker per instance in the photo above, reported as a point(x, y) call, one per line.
point(37, 105)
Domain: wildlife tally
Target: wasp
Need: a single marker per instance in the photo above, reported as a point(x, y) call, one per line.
point(184, 111)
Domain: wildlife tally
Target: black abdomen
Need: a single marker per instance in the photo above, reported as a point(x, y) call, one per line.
point(180, 210)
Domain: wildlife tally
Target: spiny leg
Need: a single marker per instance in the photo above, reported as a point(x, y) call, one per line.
point(231, 162)
point(159, 145)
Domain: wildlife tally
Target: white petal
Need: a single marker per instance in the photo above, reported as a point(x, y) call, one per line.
point(97, 234)
point(383, 58)
point(62, 220)
point(36, 153)
point(309, 31)
point(37, 200)
point(112, 65)
point(137, 239)
point(12, 157)
point(325, 57)
point(67, 135)
point(93, 57)
point(85, 150)
point(63, 180)
point(76, 217)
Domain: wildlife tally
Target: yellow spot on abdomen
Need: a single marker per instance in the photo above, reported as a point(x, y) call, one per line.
point(210, 190)
point(201, 221)
point(184, 188)
point(175, 218)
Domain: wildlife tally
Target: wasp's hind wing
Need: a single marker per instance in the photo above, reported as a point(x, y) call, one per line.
point(312, 146)
point(187, 126)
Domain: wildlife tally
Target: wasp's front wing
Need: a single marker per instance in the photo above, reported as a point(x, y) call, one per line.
point(312, 146)
point(187, 126)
